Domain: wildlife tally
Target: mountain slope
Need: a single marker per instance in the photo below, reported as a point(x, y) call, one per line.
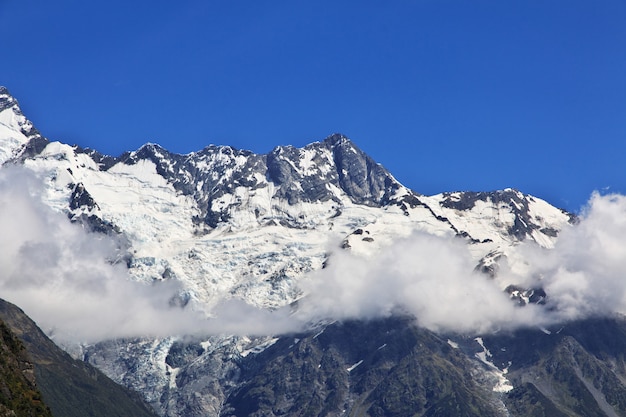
point(69, 387)
point(578, 368)
point(393, 368)
point(19, 395)
point(380, 368)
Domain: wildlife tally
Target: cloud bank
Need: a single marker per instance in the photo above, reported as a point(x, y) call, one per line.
point(585, 274)
point(427, 276)
point(63, 277)
point(432, 278)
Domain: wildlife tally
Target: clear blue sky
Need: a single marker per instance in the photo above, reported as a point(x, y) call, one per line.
point(447, 94)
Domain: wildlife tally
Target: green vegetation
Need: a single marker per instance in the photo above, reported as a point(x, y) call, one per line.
point(19, 395)
point(527, 400)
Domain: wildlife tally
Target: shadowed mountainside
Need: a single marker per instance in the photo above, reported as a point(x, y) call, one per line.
point(71, 388)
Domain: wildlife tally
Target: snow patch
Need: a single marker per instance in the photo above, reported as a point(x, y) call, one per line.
point(502, 383)
point(353, 367)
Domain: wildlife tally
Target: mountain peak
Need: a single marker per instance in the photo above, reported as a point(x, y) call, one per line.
point(150, 146)
point(4, 92)
point(18, 133)
point(337, 139)
point(6, 99)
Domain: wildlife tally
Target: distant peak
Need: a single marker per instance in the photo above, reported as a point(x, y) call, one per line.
point(150, 145)
point(149, 150)
point(282, 149)
point(33, 142)
point(337, 139)
point(6, 99)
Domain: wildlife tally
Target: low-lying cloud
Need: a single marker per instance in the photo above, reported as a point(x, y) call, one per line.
point(432, 278)
point(585, 274)
point(427, 276)
point(64, 278)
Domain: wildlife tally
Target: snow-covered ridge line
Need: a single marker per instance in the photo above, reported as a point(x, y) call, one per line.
point(231, 223)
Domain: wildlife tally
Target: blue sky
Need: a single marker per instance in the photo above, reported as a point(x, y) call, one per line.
point(447, 94)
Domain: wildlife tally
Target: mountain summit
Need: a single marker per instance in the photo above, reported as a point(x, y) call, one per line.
point(225, 181)
point(16, 130)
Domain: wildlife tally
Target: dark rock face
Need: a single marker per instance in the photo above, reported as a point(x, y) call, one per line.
point(527, 400)
point(523, 296)
point(365, 181)
point(379, 368)
point(392, 368)
point(81, 199)
point(34, 146)
point(104, 161)
point(348, 169)
point(282, 171)
point(182, 353)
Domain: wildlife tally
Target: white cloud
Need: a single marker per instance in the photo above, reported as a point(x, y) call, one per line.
point(585, 273)
point(428, 276)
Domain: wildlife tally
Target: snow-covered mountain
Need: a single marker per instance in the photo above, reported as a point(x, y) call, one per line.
point(228, 224)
